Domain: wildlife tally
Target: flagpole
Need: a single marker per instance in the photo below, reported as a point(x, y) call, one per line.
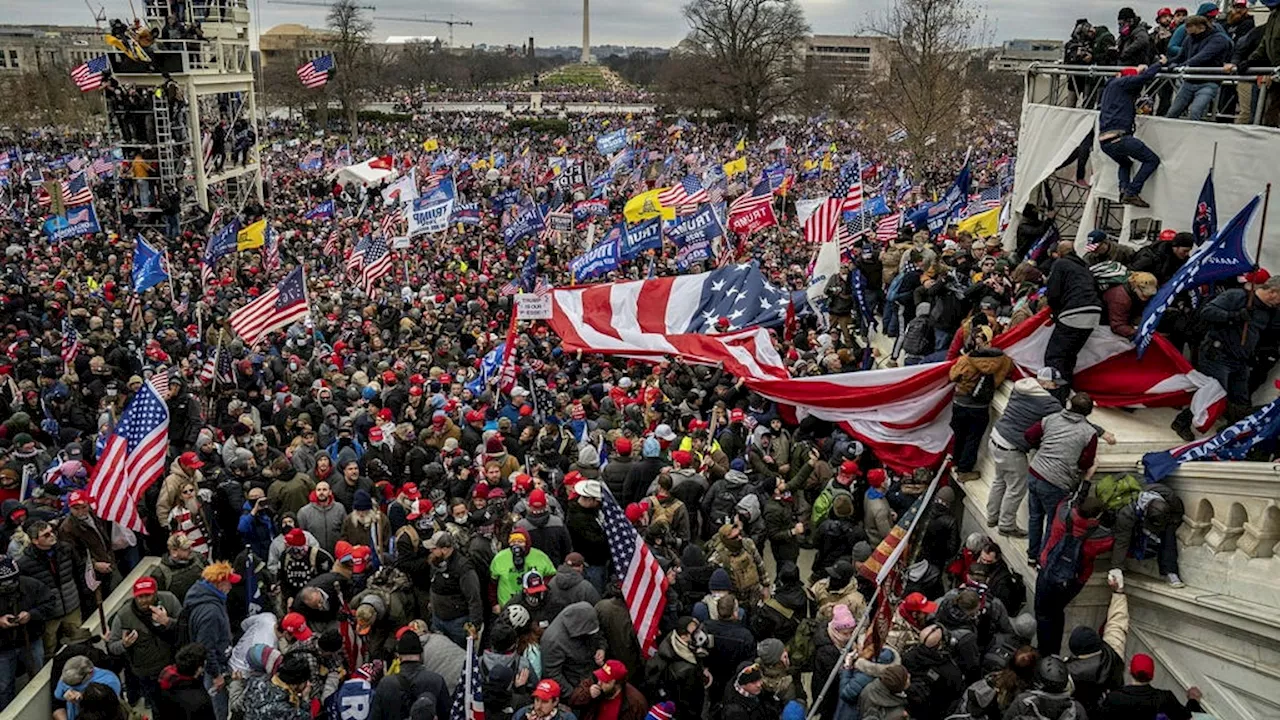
point(1257, 262)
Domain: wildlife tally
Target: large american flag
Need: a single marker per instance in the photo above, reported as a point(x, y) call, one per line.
point(91, 74)
point(280, 306)
point(70, 342)
point(315, 73)
point(330, 248)
point(355, 259)
point(687, 194)
point(826, 222)
point(376, 265)
point(75, 191)
point(644, 584)
point(132, 459)
point(679, 315)
point(468, 695)
point(757, 196)
point(887, 228)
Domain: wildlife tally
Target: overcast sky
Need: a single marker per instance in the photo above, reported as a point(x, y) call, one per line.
point(617, 22)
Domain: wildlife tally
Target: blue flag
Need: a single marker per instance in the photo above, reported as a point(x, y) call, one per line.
point(1222, 257)
point(598, 260)
point(1043, 245)
point(1233, 443)
point(529, 273)
point(1204, 224)
point(323, 211)
point(860, 293)
point(252, 588)
point(148, 266)
point(488, 366)
point(640, 237)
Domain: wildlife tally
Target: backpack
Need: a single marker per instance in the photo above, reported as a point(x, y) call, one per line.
point(919, 337)
point(773, 620)
point(1062, 564)
point(742, 571)
point(800, 647)
point(183, 630)
point(725, 504)
point(984, 390)
point(1108, 274)
point(408, 697)
point(826, 501)
point(663, 513)
point(1116, 490)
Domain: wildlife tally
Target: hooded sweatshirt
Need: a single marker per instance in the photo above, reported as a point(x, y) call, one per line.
point(570, 643)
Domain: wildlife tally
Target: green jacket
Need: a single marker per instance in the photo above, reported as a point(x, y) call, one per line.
point(154, 648)
point(1267, 54)
point(504, 571)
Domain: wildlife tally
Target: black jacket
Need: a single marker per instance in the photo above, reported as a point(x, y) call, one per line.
point(1072, 289)
point(1157, 259)
point(1226, 316)
point(670, 677)
point(30, 596)
point(415, 681)
point(1139, 702)
point(587, 534)
point(1135, 47)
point(59, 572)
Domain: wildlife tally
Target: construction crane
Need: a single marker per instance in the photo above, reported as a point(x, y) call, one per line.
point(315, 4)
point(450, 22)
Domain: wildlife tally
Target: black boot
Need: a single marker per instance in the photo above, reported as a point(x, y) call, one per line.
point(1182, 425)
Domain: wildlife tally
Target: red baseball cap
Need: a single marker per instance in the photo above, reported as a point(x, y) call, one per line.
point(538, 499)
point(361, 558)
point(1142, 667)
point(917, 602)
point(547, 690)
point(521, 483)
point(295, 538)
point(145, 586)
point(611, 670)
point(78, 497)
point(410, 491)
point(296, 626)
point(190, 461)
point(736, 415)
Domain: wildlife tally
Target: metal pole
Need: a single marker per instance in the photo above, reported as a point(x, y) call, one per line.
point(1257, 263)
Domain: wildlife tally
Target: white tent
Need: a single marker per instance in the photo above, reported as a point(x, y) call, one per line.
point(363, 174)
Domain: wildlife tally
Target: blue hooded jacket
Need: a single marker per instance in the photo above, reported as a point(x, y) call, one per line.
point(1179, 37)
point(210, 625)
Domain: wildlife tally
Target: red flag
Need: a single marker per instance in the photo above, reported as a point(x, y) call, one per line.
point(507, 373)
point(382, 163)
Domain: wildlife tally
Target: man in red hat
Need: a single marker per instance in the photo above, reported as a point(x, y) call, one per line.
point(184, 469)
point(606, 695)
point(545, 525)
point(88, 534)
point(141, 632)
point(545, 705)
point(1140, 700)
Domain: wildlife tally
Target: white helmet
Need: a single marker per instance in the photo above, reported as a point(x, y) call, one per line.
point(518, 615)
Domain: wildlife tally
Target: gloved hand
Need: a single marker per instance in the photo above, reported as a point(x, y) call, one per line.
point(1115, 578)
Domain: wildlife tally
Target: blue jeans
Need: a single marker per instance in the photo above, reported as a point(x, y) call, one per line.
point(1042, 502)
point(1231, 373)
point(221, 702)
point(454, 629)
point(1198, 95)
point(941, 339)
point(1124, 150)
point(11, 661)
point(596, 576)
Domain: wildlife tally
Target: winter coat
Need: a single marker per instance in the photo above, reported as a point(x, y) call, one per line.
point(177, 576)
point(456, 591)
point(737, 706)
point(1096, 539)
point(210, 626)
point(182, 697)
point(733, 644)
point(171, 490)
point(1028, 404)
point(1116, 111)
point(587, 534)
point(1159, 260)
point(1226, 315)
point(968, 370)
point(644, 472)
point(264, 700)
point(1042, 705)
point(936, 679)
point(93, 537)
point(619, 632)
point(548, 533)
point(1134, 45)
point(826, 655)
point(634, 705)
point(1133, 521)
point(1133, 702)
point(414, 679)
point(721, 499)
point(256, 530)
point(57, 571)
point(671, 677)
point(30, 596)
point(376, 535)
point(876, 520)
point(614, 475)
point(289, 496)
point(568, 587)
point(1071, 289)
point(875, 702)
point(569, 645)
point(1268, 51)
point(325, 523)
point(852, 682)
point(1211, 48)
point(154, 648)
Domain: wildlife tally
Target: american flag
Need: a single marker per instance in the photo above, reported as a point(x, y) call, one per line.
point(271, 251)
point(315, 73)
point(510, 288)
point(330, 248)
point(102, 165)
point(160, 381)
point(133, 304)
point(91, 75)
point(887, 228)
point(210, 367)
point(132, 459)
point(468, 695)
point(376, 265)
point(75, 191)
point(389, 223)
point(280, 306)
point(70, 342)
point(759, 195)
point(688, 193)
point(851, 181)
point(432, 180)
point(356, 258)
point(644, 584)
point(825, 224)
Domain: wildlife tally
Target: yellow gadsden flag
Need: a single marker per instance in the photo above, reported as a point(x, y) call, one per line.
point(733, 167)
point(431, 144)
point(984, 224)
point(646, 205)
point(252, 236)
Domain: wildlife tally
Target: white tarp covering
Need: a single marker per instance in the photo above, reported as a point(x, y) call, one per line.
point(362, 174)
point(1247, 158)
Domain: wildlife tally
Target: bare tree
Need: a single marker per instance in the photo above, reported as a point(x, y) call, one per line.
point(350, 41)
point(931, 43)
point(744, 56)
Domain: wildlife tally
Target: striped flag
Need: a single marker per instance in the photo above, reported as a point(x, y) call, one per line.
point(330, 248)
point(686, 194)
point(355, 259)
point(75, 191)
point(70, 342)
point(280, 306)
point(887, 228)
point(210, 368)
point(160, 381)
point(376, 265)
point(133, 458)
point(644, 585)
point(91, 74)
point(894, 545)
point(468, 695)
point(315, 73)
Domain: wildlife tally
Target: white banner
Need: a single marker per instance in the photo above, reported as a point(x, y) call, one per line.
point(429, 215)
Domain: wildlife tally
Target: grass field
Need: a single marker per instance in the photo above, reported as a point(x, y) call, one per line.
point(574, 76)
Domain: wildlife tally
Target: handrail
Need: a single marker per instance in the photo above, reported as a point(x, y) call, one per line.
point(1207, 73)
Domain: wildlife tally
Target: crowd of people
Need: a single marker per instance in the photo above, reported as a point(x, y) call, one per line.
point(345, 511)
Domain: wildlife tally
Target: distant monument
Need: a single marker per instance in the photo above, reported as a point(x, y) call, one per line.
point(586, 31)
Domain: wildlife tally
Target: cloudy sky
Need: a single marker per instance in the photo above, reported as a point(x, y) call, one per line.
point(621, 22)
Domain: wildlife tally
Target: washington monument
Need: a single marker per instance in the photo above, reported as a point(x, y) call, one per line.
point(586, 31)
